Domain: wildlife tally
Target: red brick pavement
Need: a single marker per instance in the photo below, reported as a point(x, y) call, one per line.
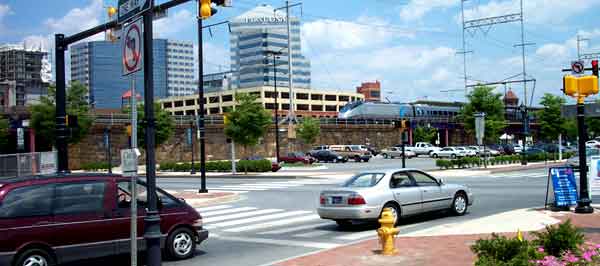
point(426, 251)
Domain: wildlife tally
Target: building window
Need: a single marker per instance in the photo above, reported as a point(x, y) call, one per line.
point(179, 113)
point(375, 94)
point(317, 107)
point(331, 108)
point(270, 106)
point(330, 97)
point(227, 98)
point(302, 96)
point(285, 95)
point(285, 106)
point(270, 94)
point(316, 97)
point(344, 98)
point(167, 105)
point(190, 102)
point(190, 112)
point(178, 103)
point(213, 99)
point(214, 110)
point(303, 107)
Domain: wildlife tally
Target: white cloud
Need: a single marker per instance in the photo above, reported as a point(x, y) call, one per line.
point(553, 50)
point(77, 19)
point(4, 11)
point(339, 34)
point(174, 23)
point(536, 11)
point(407, 57)
point(416, 9)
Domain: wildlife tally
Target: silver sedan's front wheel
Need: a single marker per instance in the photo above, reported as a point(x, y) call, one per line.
point(459, 205)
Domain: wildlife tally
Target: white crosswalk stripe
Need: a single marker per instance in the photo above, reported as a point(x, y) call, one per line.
point(274, 225)
point(275, 185)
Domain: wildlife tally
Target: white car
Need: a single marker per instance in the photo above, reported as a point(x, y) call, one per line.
point(395, 152)
point(451, 152)
point(518, 148)
point(592, 143)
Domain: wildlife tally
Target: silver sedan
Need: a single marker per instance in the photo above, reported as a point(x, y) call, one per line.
point(406, 191)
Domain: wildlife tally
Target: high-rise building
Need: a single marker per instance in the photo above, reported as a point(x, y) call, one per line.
point(180, 68)
point(21, 76)
point(254, 33)
point(98, 65)
point(371, 91)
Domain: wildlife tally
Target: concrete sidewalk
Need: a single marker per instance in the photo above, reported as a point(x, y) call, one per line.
point(196, 200)
point(447, 245)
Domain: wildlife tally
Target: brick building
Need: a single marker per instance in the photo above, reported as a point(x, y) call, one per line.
point(371, 91)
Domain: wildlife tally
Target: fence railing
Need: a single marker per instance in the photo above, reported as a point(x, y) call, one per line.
point(24, 164)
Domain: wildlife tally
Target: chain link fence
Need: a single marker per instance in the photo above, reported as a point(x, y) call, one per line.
point(24, 164)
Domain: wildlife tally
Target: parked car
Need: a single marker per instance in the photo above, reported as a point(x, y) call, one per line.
point(50, 220)
point(329, 156)
point(405, 191)
point(592, 143)
point(421, 148)
point(518, 148)
point(296, 157)
point(394, 152)
point(317, 149)
point(451, 152)
point(353, 152)
point(489, 151)
point(275, 166)
point(497, 147)
point(467, 151)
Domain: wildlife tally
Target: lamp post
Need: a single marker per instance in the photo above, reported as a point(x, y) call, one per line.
point(193, 171)
point(275, 55)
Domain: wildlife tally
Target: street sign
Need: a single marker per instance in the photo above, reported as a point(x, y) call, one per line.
point(20, 139)
point(129, 9)
point(564, 186)
point(479, 127)
point(131, 43)
point(129, 162)
point(577, 67)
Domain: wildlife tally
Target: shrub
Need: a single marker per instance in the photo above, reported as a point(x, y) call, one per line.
point(558, 239)
point(443, 164)
point(254, 166)
point(94, 166)
point(503, 251)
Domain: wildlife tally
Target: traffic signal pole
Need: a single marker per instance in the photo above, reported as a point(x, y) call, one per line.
point(201, 127)
point(583, 204)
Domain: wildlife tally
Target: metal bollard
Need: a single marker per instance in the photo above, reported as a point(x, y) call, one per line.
point(386, 232)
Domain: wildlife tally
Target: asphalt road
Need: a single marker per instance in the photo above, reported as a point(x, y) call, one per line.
point(276, 219)
point(422, 162)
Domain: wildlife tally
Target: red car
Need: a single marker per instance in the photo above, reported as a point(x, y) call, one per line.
point(296, 157)
point(49, 220)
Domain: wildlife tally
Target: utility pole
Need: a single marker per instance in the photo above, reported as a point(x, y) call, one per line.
point(201, 110)
point(275, 56)
point(291, 114)
point(61, 104)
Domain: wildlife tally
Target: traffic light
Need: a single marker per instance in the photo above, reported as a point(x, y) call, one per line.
point(588, 85)
point(111, 11)
point(205, 10)
point(595, 67)
point(570, 85)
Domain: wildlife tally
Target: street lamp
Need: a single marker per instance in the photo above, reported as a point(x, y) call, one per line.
point(275, 55)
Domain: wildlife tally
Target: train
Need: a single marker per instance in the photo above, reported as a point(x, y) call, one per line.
point(381, 110)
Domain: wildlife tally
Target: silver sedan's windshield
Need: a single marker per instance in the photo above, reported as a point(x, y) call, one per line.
point(364, 180)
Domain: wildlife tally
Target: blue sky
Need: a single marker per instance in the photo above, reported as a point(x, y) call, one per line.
point(409, 45)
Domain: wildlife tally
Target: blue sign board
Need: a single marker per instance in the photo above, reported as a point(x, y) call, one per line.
point(565, 187)
point(188, 136)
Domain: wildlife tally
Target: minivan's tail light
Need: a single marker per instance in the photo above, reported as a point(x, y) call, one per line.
point(322, 200)
point(356, 199)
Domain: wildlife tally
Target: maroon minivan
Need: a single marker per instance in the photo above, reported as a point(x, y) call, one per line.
point(49, 220)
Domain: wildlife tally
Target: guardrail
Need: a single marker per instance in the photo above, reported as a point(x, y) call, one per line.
point(24, 164)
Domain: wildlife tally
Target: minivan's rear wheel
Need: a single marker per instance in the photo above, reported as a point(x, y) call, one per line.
point(459, 205)
point(35, 257)
point(180, 244)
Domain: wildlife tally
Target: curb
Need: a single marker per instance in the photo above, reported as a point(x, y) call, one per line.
point(525, 167)
point(219, 200)
point(229, 176)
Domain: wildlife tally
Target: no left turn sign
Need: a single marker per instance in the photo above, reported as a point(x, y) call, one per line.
point(131, 43)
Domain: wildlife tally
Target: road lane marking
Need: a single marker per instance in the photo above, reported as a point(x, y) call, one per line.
point(238, 215)
point(280, 242)
point(241, 188)
point(211, 208)
point(260, 218)
point(226, 211)
point(295, 229)
point(312, 234)
point(273, 223)
point(271, 185)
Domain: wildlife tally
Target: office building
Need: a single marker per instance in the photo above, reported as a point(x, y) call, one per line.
point(21, 76)
point(218, 81)
point(98, 65)
point(254, 33)
point(371, 91)
point(180, 69)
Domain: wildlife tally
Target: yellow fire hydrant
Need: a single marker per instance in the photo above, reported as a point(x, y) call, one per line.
point(387, 231)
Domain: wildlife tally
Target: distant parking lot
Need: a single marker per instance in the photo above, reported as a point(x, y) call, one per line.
point(422, 162)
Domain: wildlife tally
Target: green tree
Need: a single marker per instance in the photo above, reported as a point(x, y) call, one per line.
point(4, 134)
point(43, 114)
point(551, 122)
point(483, 99)
point(425, 134)
point(248, 122)
point(165, 125)
point(309, 130)
point(570, 129)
